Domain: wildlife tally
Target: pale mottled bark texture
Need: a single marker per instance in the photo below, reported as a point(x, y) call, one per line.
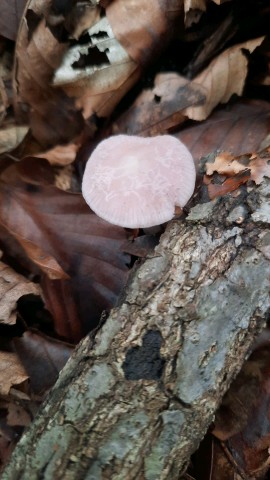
point(135, 402)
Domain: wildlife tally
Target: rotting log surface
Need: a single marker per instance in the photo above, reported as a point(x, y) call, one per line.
point(135, 401)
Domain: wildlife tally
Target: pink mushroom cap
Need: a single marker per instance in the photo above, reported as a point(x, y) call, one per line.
point(137, 182)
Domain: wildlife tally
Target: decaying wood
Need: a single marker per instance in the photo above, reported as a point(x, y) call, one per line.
point(135, 401)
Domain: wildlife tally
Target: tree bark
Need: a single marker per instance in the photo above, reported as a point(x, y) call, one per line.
point(135, 401)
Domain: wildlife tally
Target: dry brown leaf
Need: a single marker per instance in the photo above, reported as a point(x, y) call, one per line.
point(229, 185)
point(11, 136)
point(87, 248)
point(64, 179)
point(99, 73)
point(60, 155)
point(227, 164)
point(47, 263)
point(93, 73)
point(238, 128)
point(29, 169)
point(224, 77)
point(12, 287)
point(42, 358)
point(12, 374)
point(243, 419)
point(143, 27)
point(16, 414)
point(53, 116)
point(158, 109)
point(11, 13)
point(193, 11)
point(212, 45)
point(260, 168)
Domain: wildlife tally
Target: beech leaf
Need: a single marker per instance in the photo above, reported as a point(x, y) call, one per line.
point(12, 287)
point(12, 373)
point(227, 164)
point(11, 12)
point(225, 76)
point(87, 248)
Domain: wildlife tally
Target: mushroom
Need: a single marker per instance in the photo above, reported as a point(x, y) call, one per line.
point(137, 182)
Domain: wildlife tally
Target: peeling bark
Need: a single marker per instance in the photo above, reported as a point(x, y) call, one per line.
point(135, 401)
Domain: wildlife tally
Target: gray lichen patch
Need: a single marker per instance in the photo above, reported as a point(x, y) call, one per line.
point(158, 459)
point(259, 202)
point(224, 309)
point(120, 448)
point(238, 214)
point(97, 381)
point(148, 277)
point(202, 211)
point(105, 337)
point(262, 213)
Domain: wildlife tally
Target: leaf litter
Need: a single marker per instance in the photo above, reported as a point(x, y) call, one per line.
point(84, 70)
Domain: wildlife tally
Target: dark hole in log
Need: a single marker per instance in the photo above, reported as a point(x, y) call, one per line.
point(145, 362)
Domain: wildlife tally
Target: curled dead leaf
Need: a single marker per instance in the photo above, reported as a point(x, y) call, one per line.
point(12, 374)
point(158, 109)
point(227, 164)
point(12, 287)
point(52, 115)
point(224, 77)
point(47, 263)
point(99, 73)
point(92, 73)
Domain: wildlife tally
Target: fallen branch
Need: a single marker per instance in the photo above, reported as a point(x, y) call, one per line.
point(135, 401)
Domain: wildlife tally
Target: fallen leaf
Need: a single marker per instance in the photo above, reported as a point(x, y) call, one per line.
point(225, 76)
point(227, 164)
point(42, 358)
point(60, 154)
point(52, 115)
point(193, 11)
point(64, 179)
point(11, 136)
point(12, 373)
point(41, 258)
point(143, 28)
point(97, 74)
point(87, 248)
point(100, 72)
point(8, 440)
point(243, 418)
point(239, 128)
point(229, 185)
point(17, 415)
point(161, 108)
point(12, 287)
point(259, 167)
point(11, 13)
